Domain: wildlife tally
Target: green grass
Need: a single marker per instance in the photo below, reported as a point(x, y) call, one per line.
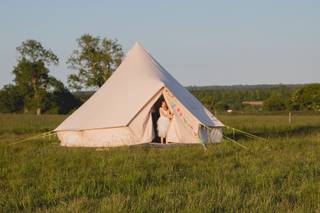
point(21, 124)
point(273, 125)
point(281, 175)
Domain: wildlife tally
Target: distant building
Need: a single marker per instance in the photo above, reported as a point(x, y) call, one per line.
point(253, 103)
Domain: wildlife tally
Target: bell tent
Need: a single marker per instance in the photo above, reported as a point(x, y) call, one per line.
point(125, 109)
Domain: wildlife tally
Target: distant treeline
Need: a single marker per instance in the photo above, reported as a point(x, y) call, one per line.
point(297, 97)
point(215, 98)
point(35, 90)
point(260, 97)
point(240, 97)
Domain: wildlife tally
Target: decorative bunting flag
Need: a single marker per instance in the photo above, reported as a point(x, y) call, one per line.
point(179, 111)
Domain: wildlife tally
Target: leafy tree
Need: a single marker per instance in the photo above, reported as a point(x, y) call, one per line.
point(59, 100)
point(275, 103)
point(231, 97)
point(32, 73)
point(95, 59)
point(307, 98)
point(11, 99)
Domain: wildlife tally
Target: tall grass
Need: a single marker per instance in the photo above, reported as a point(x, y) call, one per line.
point(281, 175)
point(272, 125)
point(27, 123)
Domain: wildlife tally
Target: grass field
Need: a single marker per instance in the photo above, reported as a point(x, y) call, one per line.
point(280, 175)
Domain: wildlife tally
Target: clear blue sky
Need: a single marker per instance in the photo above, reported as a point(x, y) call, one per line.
point(198, 42)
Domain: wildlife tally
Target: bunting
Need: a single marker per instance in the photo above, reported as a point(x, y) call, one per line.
point(180, 112)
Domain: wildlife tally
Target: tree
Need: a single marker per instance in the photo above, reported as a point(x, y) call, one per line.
point(32, 73)
point(59, 100)
point(275, 103)
point(307, 98)
point(11, 99)
point(95, 59)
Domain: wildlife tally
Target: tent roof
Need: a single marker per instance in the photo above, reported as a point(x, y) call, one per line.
point(131, 86)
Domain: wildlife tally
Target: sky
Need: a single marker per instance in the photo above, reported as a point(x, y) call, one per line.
point(198, 42)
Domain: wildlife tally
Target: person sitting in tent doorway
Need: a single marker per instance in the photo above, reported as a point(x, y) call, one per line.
point(163, 121)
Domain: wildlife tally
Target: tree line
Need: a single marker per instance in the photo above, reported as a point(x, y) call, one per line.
point(272, 97)
point(35, 90)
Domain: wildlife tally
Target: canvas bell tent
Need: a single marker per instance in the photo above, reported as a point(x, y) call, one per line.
point(125, 109)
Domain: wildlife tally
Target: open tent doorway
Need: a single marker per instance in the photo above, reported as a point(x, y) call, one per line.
point(155, 116)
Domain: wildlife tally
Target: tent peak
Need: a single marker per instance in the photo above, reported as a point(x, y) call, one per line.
point(137, 43)
point(138, 47)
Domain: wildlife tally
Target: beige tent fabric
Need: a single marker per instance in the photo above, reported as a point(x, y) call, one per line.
point(189, 121)
point(135, 81)
point(186, 98)
point(178, 132)
point(184, 126)
point(121, 97)
point(110, 137)
point(119, 112)
point(142, 125)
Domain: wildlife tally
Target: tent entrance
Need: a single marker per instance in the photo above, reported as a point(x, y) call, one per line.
point(155, 116)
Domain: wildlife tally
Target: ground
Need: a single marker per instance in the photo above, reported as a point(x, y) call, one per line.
point(278, 175)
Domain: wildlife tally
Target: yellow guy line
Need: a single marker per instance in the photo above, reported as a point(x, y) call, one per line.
point(246, 133)
point(33, 137)
point(231, 140)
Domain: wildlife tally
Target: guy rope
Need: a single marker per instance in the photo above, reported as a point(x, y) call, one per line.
point(249, 135)
point(41, 135)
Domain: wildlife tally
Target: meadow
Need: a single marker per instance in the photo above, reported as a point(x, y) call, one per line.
point(281, 174)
